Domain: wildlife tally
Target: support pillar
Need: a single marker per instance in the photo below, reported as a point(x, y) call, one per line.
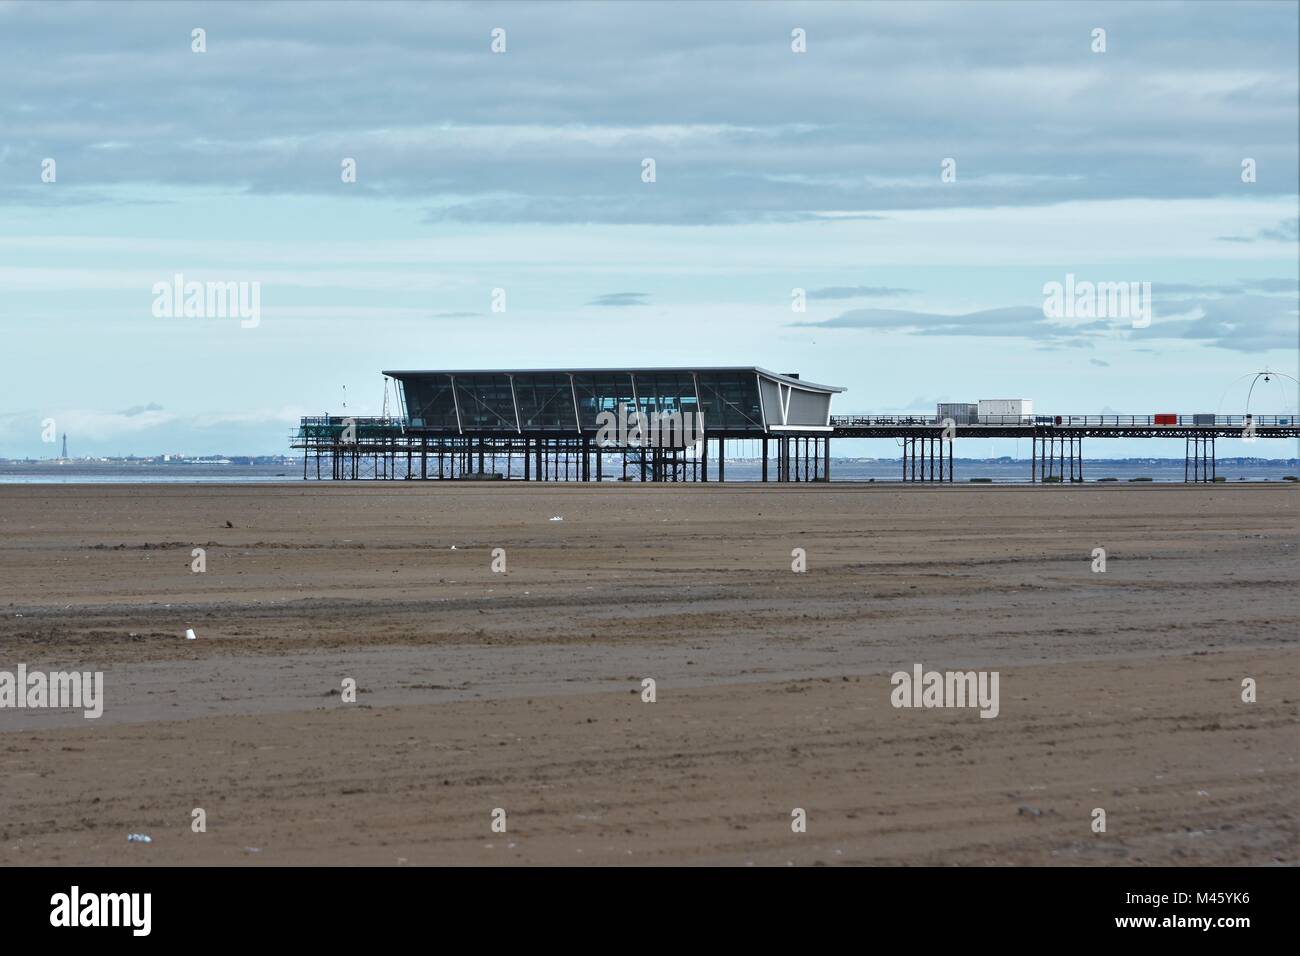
point(1200, 461)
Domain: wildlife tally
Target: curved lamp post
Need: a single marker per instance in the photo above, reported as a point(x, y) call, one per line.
point(1266, 376)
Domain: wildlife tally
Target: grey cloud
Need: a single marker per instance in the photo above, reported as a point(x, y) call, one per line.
point(1288, 230)
point(1173, 289)
point(1182, 290)
point(1246, 323)
point(856, 292)
point(555, 129)
point(621, 299)
point(1066, 343)
point(621, 206)
point(135, 410)
point(1272, 285)
point(1243, 323)
point(1016, 321)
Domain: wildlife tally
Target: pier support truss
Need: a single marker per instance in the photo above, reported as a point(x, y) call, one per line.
point(657, 464)
point(800, 458)
point(921, 453)
point(1057, 458)
point(406, 457)
point(1199, 463)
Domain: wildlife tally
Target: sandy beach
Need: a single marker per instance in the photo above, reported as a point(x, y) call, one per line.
point(522, 690)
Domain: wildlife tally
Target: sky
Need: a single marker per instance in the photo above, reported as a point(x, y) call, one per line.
point(872, 194)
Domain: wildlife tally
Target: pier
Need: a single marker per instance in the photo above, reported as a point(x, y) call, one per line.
point(342, 449)
point(674, 425)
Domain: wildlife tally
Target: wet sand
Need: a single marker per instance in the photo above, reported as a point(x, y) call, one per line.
point(522, 691)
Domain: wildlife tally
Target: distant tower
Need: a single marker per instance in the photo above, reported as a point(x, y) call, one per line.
point(65, 445)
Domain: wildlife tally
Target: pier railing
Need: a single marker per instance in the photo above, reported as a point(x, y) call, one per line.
point(1096, 421)
point(1181, 421)
point(332, 427)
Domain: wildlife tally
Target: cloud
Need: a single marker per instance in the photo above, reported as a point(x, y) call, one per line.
point(135, 410)
point(84, 424)
point(1291, 286)
point(621, 299)
point(1244, 323)
point(148, 428)
point(437, 121)
point(1238, 322)
point(1181, 290)
point(856, 292)
point(1014, 321)
point(1288, 230)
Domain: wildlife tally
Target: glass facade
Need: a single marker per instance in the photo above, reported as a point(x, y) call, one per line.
point(567, 402)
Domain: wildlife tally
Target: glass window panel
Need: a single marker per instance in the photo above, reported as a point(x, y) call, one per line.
point(730, 401)
point(485, 403)
point(602, 392)
point(545, 402)
point(429, 402)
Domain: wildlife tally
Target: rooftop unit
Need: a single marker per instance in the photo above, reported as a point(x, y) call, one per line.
point(1000, 411)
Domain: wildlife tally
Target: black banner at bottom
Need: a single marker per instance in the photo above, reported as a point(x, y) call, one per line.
point(332, 905)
